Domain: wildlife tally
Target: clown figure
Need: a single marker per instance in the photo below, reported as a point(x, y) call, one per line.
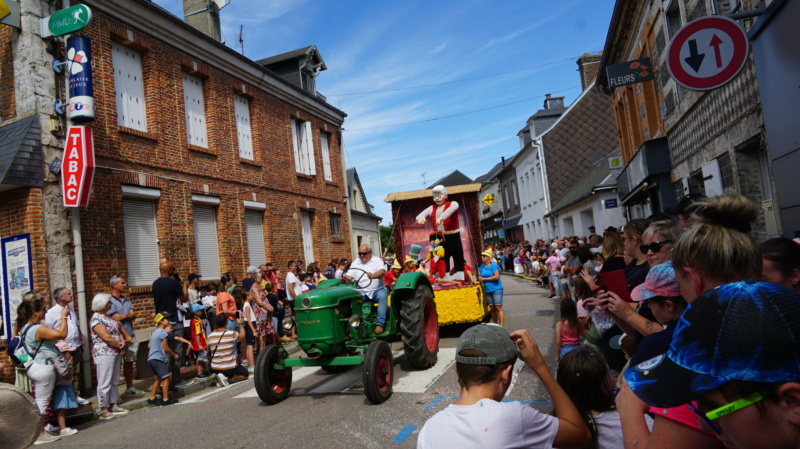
point(444, 218)
point(436, 255)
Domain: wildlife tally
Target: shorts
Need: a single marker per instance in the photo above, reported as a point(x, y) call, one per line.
point(130, 352)
point(201, 356)
point(275, 323)
point(495, 298)
point(231, 325)
point(160, 368)
point(249, 337)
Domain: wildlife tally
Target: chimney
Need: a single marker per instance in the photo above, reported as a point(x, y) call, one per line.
point(503, 159)
point(551, 102)
point(587, 66)
point(203, 15)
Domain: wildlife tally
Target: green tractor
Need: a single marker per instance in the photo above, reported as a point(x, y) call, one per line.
point(335, 329)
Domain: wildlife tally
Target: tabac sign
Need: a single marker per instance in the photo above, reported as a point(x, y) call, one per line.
point(77, 170)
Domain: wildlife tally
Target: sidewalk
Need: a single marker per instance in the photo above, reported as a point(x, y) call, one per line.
point(188, 373)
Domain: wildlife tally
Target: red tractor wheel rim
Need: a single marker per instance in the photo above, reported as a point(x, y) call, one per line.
point(430, 327)
point(384, 372)
point(279, 383)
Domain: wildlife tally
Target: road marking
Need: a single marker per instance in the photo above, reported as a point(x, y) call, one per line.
point(432, 405)
point(202, 397)
point(297, 374)
point(419, 381)
point(515, 375)
point(404, 434)
point(345, 381)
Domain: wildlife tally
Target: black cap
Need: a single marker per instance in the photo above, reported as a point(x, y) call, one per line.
point(591, 228)
point(610, 229)
point(193, 276)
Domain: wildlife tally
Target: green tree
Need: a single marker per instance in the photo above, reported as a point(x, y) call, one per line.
point(387, 238)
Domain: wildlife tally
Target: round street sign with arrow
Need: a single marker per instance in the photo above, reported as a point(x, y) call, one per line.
point(707, 53)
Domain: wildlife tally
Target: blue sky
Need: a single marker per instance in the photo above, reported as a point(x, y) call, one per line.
point(378, 46)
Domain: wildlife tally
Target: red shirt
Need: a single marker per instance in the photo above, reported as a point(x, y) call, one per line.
point(389, 278)
point(198, 335)
point(224, 297)
point(450, 223)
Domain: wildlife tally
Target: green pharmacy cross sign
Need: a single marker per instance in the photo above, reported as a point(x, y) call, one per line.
point(69, 20)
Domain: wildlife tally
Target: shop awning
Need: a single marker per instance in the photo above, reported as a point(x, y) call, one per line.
point(511, 222)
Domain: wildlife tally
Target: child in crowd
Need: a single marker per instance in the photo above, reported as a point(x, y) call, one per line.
point(554, 268)
point(209, 300)
point(485, 357)
point(249, 324)
point(273, 324)
point(569, 329)
point(305, 285)
point(734, 359)
point(157, 359)
point(64, 398)
point(585, 377)
point(582, 293)
point(197, 335)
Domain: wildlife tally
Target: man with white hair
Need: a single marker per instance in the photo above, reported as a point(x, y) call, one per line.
point(444, 218)
point(122, 312)
point(73, 343)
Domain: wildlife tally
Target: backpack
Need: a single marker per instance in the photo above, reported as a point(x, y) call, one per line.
point(18, 352)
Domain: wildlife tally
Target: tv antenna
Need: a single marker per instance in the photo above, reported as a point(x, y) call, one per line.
point(423, 179)
point(241, 38)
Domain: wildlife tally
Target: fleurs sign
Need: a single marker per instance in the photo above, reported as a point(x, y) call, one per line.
point(630, 72)
point(77, 170)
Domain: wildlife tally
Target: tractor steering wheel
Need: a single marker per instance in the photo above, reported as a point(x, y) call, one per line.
point(357, 280)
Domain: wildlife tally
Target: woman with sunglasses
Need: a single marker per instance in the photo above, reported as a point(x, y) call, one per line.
point(658, 240)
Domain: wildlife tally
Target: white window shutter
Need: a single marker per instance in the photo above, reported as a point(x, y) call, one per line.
point(195, 111)
point(141, 241)
point(254, 227)
point(129, 87)
point(205, 240)
point(309, 142)
point(712, 179)
point(326, 156)
point(296, 144)
point(243, 130)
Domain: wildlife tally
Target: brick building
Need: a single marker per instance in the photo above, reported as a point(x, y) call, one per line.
point(204, 157)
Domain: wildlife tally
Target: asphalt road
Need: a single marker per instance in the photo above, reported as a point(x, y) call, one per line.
point(328, 411)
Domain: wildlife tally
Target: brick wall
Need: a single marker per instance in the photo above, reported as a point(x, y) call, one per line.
point(21, 213)
point(7, 94)
point(161, 158)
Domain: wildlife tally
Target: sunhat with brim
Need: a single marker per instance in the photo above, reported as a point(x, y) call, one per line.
point(660, 281)
point(746, 331)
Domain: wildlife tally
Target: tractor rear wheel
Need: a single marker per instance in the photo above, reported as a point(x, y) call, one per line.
point(272, 384)
point(419, 326)
point(378, 372)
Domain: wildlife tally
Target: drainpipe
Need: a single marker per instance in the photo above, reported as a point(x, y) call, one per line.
point(540, 144)
point(77, 241)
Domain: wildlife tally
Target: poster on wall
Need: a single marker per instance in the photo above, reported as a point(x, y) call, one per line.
point(16, 278)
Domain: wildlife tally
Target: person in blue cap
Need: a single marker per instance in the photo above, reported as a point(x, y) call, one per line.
point(735, 360)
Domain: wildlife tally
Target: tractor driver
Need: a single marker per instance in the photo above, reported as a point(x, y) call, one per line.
point(368, 265)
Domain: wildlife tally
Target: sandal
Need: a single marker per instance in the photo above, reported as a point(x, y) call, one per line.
point(107, 415)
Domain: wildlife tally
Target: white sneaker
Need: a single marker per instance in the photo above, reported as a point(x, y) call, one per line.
point(82, 401)
point(133, 392)
point(222, 381)
point(46, 438)
point(50, 428)
point(67, 431)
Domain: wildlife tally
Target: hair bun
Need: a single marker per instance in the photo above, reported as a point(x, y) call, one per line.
point(729, 211)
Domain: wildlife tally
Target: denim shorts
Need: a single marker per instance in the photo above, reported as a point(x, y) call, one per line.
point(495, 298)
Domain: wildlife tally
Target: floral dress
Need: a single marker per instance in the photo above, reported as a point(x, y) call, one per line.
point(99, 346)
point(263, 318)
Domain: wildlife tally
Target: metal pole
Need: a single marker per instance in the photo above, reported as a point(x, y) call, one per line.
point(82, 315)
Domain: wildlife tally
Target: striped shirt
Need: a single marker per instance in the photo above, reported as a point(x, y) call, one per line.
point(222, 342)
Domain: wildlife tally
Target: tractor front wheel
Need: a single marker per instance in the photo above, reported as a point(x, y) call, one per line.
point(272, 384)
point(419, 325)
point(378, 372)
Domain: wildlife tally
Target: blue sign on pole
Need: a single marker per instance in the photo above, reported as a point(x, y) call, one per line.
point(500, 233)
point(610, 204)
point(79, 67)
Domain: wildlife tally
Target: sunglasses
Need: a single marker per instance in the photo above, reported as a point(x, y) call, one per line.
point(726, 409)
point(363, 254)
point(654, 247)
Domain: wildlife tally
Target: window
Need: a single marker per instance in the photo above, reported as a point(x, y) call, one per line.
point(128, 87)
point(243, 132)
point(725, 170)
point(672, 13)
point(336, 225)
point(141, 241)
point(506, 204)
point(205, 240)
point(303, 147)
point(254, 228)
point(326, 156)
point(306, 221)
point(514, 192)
point(195, 111)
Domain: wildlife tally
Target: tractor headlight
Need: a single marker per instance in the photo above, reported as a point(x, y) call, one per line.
point(288, 323)
point(306, 302)
point(354, 321)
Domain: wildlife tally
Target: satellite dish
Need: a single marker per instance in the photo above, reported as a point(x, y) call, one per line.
point(221, 3)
